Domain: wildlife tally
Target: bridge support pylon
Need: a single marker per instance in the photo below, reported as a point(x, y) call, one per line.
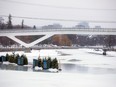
point(27, 45)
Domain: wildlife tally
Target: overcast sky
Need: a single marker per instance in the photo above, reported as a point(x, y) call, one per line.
point(93, 12)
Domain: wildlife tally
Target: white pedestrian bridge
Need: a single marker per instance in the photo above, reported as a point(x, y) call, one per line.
point(12, 33)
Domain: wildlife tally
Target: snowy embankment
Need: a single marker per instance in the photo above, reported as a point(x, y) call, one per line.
point(36, 79)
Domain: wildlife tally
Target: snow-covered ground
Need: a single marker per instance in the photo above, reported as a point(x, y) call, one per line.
point(38, 79)
point(83, 57)
point(89, 57)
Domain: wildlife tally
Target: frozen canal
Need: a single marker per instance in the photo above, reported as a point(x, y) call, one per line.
point(71, 61)
point(66, 68)
point(80, 68)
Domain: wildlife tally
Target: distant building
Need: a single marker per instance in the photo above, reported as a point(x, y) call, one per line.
point(54, 26)
point(97, 26)
point(82, 25)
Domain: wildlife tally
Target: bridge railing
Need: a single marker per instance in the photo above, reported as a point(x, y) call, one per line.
point(63, 29)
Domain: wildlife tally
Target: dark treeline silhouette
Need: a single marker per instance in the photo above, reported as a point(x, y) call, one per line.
point(82, 40)
point(9, 25)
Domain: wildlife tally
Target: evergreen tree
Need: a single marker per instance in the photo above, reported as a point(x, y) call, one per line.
point(22, 24)
point(25, 60)
point(42, 63)
point(16, 58)
point(34, 27)
point(49, 63)
point(55, 63)
point(39, 62)
point(7, 57)
point(9, 22)
point(11, 59)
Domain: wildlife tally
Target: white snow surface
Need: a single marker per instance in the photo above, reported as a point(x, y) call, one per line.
point(90, 57)
point(39, 79)
point(86, 57)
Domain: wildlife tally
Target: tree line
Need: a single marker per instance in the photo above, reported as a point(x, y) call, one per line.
point(9, 24)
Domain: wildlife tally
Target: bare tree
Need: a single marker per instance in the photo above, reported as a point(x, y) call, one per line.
point(110, 41)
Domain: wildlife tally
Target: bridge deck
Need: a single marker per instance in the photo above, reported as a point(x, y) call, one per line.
point(101, 31)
